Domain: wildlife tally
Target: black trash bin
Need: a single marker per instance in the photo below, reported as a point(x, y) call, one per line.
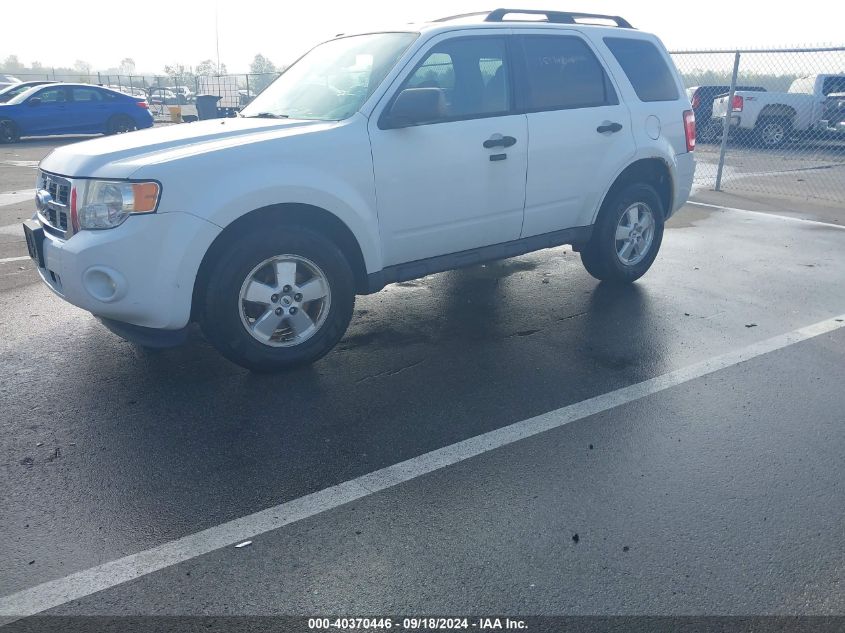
point(207, 107)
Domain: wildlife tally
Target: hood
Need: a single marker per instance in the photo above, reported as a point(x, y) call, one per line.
point(119, 156)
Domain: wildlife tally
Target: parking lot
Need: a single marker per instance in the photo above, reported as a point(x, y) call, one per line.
point(516, 437)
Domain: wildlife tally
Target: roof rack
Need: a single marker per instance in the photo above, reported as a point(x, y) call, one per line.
point(449, 18)
point(554, 17)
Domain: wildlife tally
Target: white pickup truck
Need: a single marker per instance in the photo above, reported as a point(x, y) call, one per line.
point(774, 117)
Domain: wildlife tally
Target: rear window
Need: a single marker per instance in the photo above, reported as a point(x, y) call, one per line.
point(645, 67)
point(833, 85)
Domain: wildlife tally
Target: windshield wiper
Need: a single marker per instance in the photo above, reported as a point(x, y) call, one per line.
point(267, 115)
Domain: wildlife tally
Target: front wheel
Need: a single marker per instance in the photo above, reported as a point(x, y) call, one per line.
point(278, 298)
point(626, 236)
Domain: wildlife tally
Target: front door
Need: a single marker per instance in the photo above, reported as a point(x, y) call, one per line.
point(457, 182)
point(50, 116)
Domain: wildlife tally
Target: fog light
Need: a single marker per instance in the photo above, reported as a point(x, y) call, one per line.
point(104, 284)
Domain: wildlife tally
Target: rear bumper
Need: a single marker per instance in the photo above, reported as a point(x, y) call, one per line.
point(684, 174)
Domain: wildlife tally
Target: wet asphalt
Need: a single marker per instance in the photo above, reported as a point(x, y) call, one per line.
point(727, 491)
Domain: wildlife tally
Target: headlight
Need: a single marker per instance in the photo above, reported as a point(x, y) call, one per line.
point(106, 204)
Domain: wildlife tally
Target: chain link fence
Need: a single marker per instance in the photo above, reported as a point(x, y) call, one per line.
point(769, 121)
point(163, 91)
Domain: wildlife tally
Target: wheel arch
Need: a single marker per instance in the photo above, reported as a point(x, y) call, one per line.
point(291, 214)
point(653, 171)
point(14, 128)
point(778, 110)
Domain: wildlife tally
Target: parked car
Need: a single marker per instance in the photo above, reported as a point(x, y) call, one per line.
point(245, 96)
point(8, 80)
point(65, 108)
point(774, 117)
point(128, 90)
point(833, 119)
point(165, 96)
point(9, 92)
point(701, 98)
point(186, 93)
point(336, 181)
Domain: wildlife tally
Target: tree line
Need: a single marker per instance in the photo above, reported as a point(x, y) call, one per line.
point(262, 68)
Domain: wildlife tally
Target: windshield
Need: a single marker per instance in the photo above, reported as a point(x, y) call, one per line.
point(14, 90)
point(23, 96)
point(333, 80)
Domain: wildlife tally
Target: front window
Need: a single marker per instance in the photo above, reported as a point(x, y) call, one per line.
point(333, 80)
point(471, 73)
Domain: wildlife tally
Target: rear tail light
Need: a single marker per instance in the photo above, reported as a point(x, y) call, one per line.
point(689, 129)
point(696, 100)
point(142, 104)
point(737, 104)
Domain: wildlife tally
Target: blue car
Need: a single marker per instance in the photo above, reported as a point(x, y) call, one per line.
point(71, 109)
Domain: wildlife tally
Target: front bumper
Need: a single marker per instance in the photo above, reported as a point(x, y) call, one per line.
point(141, 273)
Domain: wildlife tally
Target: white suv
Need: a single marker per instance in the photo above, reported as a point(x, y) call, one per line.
point(375, 158)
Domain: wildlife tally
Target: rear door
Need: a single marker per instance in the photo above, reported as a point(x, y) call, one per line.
point(580, 133)
point(88, 109)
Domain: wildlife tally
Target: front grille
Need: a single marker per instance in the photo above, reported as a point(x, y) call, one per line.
point(55, 215)
point(60, 191)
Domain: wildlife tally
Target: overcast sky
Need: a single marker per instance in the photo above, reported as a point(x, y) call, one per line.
point(155, 33)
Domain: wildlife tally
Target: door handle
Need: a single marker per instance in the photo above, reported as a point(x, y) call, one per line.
point(497, 140)
point(609, 126)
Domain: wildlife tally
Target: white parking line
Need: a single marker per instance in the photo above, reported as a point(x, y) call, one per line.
point(20, 163)
point(12, 229)
point(14, 259)
point(84, 583)
point(767, 214)
point(14, 197)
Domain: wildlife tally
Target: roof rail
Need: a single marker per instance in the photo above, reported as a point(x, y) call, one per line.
point(558, 17)
point(449, 18)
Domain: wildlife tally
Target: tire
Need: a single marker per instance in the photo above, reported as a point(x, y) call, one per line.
point(772, 132)
point(239, 327)
point(601, 256)
point(120, 124)
point(9, 131)
point(710, 132)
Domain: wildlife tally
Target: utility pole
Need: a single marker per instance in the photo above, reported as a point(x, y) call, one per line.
point(217, 33)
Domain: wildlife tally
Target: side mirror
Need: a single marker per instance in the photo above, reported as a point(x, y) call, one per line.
point(415, 106)
point(34, 101)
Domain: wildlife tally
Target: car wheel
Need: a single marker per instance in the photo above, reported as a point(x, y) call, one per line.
point(278, 298)
point(626, 236)
point(710, 132)
point(120, 124)
point(9, 132)
point(773, 132)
